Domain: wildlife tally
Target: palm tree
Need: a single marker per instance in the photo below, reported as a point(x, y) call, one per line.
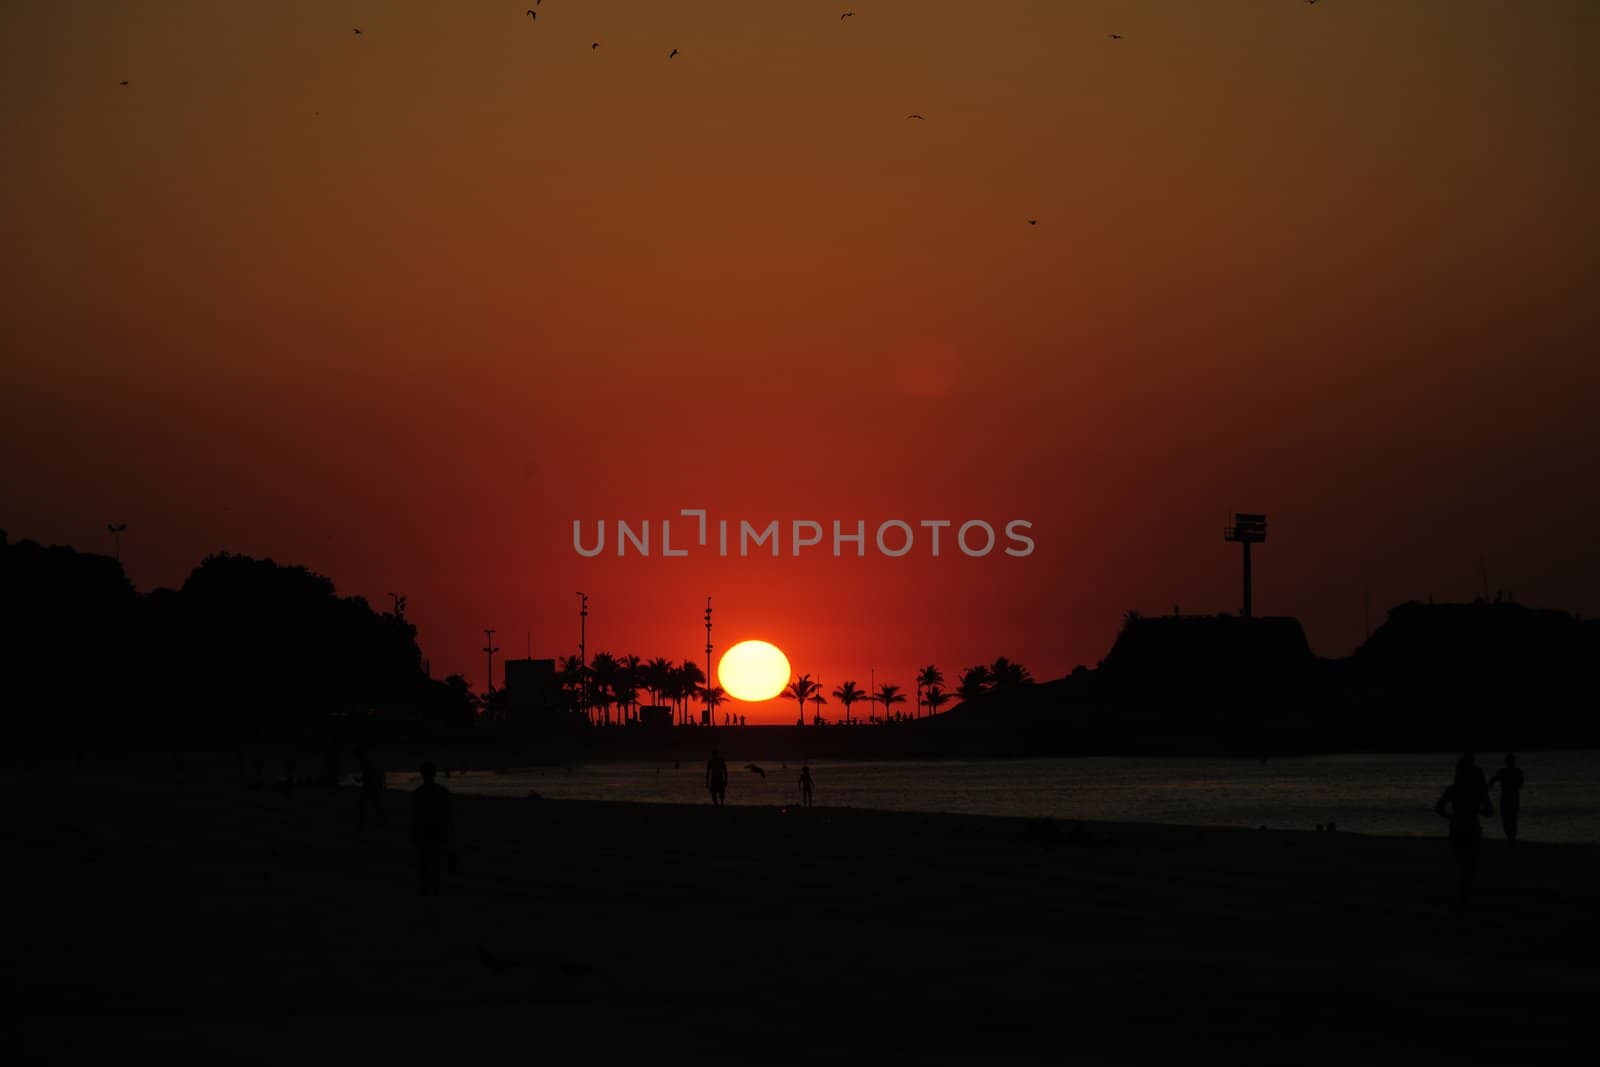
point(800, 690)
point(571, 676)
point(632, 678)
point(1008, 675)
point(935, 698)
point(602, 690)
point(692, 677)
point(974, 683)
point(848, 694)
point(817, 700)
point(928, 677)
point(889, 695)
point(658, 677)
point(714, 697)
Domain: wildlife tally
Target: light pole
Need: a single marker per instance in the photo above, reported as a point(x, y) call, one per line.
point(583, 661)
point(491, 648)
point(116, 529)
point(1247, 530)
point(708, 664)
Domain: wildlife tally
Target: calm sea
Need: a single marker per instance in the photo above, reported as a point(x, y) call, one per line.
point(1373, 794)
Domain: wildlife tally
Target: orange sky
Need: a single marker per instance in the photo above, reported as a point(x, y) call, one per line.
point(402, 306)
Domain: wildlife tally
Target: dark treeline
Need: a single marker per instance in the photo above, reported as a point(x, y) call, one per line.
point(249, 652)
point(244, 650)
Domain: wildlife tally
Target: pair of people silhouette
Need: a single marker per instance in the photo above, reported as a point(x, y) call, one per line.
point(717, 780)
point(1466, 799)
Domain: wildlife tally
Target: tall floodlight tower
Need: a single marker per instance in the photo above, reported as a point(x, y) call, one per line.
point(116, 529)
point(1247, 530)
point(491, 648)
point(583, 660)
point(708, 664)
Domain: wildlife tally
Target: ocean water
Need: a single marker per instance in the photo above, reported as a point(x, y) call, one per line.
point(1373, 794)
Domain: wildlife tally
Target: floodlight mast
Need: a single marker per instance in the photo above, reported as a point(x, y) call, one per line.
point(1247, 529)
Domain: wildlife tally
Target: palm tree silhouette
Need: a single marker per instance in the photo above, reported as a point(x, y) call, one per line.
point(714, 698)
point(935, 698)
point(657, 677)
point(691, 678)
point(817, 700)
point(630, 675)
point(571, 678)
point(889, 695)
point(848, 694)
point(927, 677)
point(603, 670)
point(974, 683)
point(800, 690)
point(1008, 675)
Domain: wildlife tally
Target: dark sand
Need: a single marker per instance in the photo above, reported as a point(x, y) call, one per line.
point(236, 925)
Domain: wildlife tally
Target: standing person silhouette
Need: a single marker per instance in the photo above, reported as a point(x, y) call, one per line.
point(1510, 779)
point(717, 778)
point(372, 786)
point(805, 784)
point(432, 830)
point(1462, 802)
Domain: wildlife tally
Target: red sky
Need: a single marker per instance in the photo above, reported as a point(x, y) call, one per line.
point(402, 306)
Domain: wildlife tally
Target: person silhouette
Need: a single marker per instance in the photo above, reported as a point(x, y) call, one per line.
point(372, 786)
point(717, 778)
point(1510, 779)
point(1462, 802)
point(432, 830)
point(805, 785)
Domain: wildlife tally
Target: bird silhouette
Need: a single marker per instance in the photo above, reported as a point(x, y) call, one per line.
point(1033, 222)
point(122, 83)
point(1115, 36)
point(753, 769)
point(916, 117)
point(358, 33)
point(532, 14)
point(672, 53)
point(847, 15)
point(594, 46)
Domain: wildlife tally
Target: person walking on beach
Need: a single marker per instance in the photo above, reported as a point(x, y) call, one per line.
point(432, 830)
point(1462, 802)
point(717, 778)
point(1510, 779)
point(372, 786)
point(805, 785)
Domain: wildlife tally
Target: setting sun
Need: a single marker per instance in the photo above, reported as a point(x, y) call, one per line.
point(753, 671)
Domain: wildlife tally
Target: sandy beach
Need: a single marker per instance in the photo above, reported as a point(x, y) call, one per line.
point(240, 925)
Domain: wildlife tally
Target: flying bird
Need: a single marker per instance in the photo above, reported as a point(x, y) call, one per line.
point(532, 14)
point(847, 15)
point(1115, 36)
point(358, 33)
point(916, 117)
point(753, 769)
point(122, 83)
point(594, 46)
point(1033, 222)
point(672, 53)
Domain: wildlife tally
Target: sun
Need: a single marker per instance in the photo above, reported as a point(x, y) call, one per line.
point(753, 670)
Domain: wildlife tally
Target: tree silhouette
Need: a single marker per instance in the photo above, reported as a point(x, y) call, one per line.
point(935, 698)
point(1007, 675)
point(889, 695)
point(817, 700)
point(848, 694)
point(975, 682)
point(929, 676)
point(800, 691)
point(690, 678)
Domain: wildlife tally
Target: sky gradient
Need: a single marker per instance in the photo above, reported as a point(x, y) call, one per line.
point(402, 306)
